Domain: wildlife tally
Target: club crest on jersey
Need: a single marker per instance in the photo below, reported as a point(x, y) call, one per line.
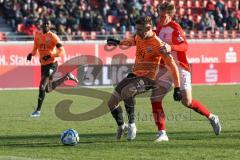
point(149, 49)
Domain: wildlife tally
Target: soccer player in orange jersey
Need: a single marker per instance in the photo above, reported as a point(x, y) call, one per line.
point(48, 46)
point(148, 57)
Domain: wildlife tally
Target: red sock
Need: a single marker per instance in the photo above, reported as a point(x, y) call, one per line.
point(158, 114)
point(198, 107)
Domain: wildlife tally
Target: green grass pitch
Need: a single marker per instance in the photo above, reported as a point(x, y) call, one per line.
point(191, 136)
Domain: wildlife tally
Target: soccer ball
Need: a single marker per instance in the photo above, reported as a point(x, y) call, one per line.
point(69, 137)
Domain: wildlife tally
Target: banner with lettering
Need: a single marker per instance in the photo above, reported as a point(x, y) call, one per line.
point(212, 62)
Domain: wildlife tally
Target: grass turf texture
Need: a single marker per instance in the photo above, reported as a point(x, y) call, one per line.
point(191, 136)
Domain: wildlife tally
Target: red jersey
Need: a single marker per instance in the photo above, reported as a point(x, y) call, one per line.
point(173, 34)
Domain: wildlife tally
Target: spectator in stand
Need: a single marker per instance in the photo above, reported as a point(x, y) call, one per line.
point(98, 23)
point(213, 23)
point(232, 22)
point(218, 18)
point(86, 24)
point(124, 24)
point(220, 5)
point(206, 22)
point(108, 16)
point(225, 13)
point(210, 7)
point(185, 23)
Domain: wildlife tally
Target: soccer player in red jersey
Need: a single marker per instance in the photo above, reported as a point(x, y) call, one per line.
point(47, 44)
point(148, 57)
point(171, 32)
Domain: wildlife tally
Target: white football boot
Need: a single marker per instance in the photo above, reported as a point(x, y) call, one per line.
point(35, 114)
point(162, 136)
point(214, 120)
point(70, 76)
point(132, 131)
point(121, 130)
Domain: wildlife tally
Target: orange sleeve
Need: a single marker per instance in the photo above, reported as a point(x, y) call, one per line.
point(173, 68)
point(34, 50)
point(55, 39)
point(60, 51)
point(128, 41)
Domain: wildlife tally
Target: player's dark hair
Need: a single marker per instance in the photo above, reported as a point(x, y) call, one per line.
point(46, 21)
point(144, 20)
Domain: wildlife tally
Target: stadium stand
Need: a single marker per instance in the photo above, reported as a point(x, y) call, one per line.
point(96, 19)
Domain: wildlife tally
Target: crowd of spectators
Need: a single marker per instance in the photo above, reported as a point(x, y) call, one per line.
point(75, 17)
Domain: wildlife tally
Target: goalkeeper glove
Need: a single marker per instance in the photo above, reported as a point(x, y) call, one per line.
point(46, 58)
point(112, 42)
point(177, 94)
point(29, 57)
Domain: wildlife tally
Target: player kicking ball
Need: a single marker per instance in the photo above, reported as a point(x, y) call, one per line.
point(142, 79)
point(47, 44)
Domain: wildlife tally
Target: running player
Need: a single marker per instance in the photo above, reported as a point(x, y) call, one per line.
point(48, 45)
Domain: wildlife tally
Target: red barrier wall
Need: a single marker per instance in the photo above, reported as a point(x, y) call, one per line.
point(212, 62)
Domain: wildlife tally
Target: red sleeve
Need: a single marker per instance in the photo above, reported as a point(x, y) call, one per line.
point(179, 40)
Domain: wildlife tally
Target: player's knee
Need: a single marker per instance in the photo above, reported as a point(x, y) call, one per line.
point(155, 99)
point(113, 101)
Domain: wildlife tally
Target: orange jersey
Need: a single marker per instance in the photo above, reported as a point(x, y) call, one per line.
point(45, 44)
point(148, 57)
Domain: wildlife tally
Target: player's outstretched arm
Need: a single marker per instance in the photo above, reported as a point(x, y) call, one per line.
point(113, 42)
point(124, 42)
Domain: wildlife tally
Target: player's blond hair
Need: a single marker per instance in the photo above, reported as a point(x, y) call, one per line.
point(167, 7)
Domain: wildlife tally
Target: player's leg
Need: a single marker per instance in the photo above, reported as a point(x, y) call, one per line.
point(188, 101)
point(68, 76)
point(164, 83)
point(45, 74)
point(127, 88)
point(41, 96)
point(116, 110)
point(201, 109)
point(193, 104)
point(117, 114)
point(54, 84)
point(130, 109)
point(158, 112)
